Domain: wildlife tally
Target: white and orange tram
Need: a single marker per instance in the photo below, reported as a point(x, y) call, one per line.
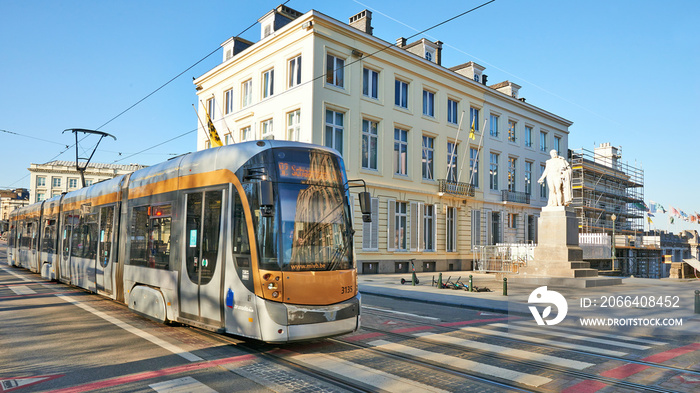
point(253, 239)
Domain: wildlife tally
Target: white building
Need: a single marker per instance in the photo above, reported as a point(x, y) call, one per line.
point(56, 177)
point(394, 112)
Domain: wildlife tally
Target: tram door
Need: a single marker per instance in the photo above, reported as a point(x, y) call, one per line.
point(103, 262)
point(201, 276)
point(69, 221)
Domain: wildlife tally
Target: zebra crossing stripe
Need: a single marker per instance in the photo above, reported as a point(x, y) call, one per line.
point(22, 290)
point(512, 352)
point(598, 334)
point(463, 364)
point(182, 385)
point(543, 341)
point(570, 336)
point(370, 376)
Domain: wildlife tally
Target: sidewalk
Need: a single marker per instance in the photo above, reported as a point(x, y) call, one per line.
point(680, 292)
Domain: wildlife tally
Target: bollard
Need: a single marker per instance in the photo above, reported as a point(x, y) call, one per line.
point(471, 288)
point(697, 301)
point(505, 286)
point(439, 280)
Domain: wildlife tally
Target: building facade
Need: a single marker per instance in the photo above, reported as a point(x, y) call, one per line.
point(402, 122)
point(11, 200)
point(56, 177)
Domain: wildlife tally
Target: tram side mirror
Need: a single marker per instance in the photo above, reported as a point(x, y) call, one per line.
point(265, 199)
point(366, 206)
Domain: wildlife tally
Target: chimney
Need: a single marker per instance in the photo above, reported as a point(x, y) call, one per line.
point(400, 42)
point(439, 52)
point(362, 21)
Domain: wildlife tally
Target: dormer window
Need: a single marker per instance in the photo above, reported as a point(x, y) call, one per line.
point(428, 56)
point(477, 78)
point(267, 30)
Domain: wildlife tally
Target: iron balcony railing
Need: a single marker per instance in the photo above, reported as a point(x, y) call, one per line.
point(454, 188)
point(515, 196)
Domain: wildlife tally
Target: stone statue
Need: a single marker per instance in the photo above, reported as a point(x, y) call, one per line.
point(558, 174)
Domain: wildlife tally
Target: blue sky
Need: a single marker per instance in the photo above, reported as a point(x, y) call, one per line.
point(623, 71)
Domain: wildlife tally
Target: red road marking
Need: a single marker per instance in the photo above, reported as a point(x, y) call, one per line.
point(587, 386)
point(413, 329)
point(152, 374)
point(447, 324)
point(630, 369)
point(363, 336)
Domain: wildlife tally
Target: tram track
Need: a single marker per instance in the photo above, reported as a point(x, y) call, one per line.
point(532, 363)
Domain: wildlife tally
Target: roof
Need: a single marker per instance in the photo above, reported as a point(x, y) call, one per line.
point(96, 165)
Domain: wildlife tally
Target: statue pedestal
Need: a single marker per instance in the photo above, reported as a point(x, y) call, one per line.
point(557, 253)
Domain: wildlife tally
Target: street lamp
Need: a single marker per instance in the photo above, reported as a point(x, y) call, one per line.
point(613, 218)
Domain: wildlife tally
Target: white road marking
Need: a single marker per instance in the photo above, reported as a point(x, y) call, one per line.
point(182, 385)
point(22, 290)
point(544, 341)
point(464, 364)
point(545, 331)
point(512, 352)
point(376, 378)
point(400, 313)
point(597, 334)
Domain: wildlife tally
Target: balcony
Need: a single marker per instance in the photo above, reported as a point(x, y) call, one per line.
point(515, 196)
point(455, 188)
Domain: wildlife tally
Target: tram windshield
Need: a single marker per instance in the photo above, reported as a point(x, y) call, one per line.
point(310, 227)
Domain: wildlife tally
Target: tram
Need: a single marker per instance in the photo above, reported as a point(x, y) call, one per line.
point(253, 239)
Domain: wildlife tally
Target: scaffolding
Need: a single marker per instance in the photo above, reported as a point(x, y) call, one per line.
point(602, 187)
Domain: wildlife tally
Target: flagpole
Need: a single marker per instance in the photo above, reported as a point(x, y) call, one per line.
point(226, 124)
point(478, 150)
point(201, 124)
point(452, 155)
point(211, 129)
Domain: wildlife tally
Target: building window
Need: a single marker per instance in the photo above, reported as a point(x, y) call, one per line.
point(268, 82)
point(228, 100)
point(543, 186)
point(513, 220)
point(511, 131)
point(474, 118)
point(428, 103)
point(246, 93)
point(495, 227)
point(451, 111)
point(293, 125)
point(493, 126)
point(528, 177)
point(370, 81)
point(266, 129)
point(295, 71)
point(512, 164)
point(211, 108)
point(451, 229)
point(55, 182)
point(370, 230)
point(474, 166)
point(369, 144)
point(429, 227)
point(400, 151)
point(228, 139)
point(427, 157)
point(40, 196)
point(528, 136)
point(334, 130)
point(452, 160)
point(88, 182)
point(401, 94)
point(493, 172)
point(335, 71)
point(41, 181)
point(72, 183)
point(543, 141)
point(247, 134)
point(401, 226)
point(557, 144)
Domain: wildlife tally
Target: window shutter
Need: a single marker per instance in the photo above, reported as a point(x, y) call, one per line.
point(374, 242)
point(476, 228)
point(367, 234)
point(489, 228)
point(391, 225)
point(421, 226)
point(413, 228)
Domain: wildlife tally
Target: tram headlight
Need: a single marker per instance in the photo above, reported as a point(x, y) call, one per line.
point(275, 294)
point(271, 286)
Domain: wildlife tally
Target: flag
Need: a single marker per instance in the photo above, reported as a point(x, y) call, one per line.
point(652, 207)
point(471, 132)
point(213, 135)
point(660, 207)
point(670, 220)
point(649, 220)
point(650, 214)
point(674, 211)
point(641, 206)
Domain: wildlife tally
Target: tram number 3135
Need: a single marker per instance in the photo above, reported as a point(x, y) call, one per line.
point(346, 290)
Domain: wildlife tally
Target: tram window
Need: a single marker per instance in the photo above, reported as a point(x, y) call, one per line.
point(139, 233)
point(84, 237)
point(106, 224)
point(240, 229)
point(159, 243)
point(49, 236)
point(210, 234)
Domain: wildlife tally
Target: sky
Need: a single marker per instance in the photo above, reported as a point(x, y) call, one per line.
point(623, 71)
